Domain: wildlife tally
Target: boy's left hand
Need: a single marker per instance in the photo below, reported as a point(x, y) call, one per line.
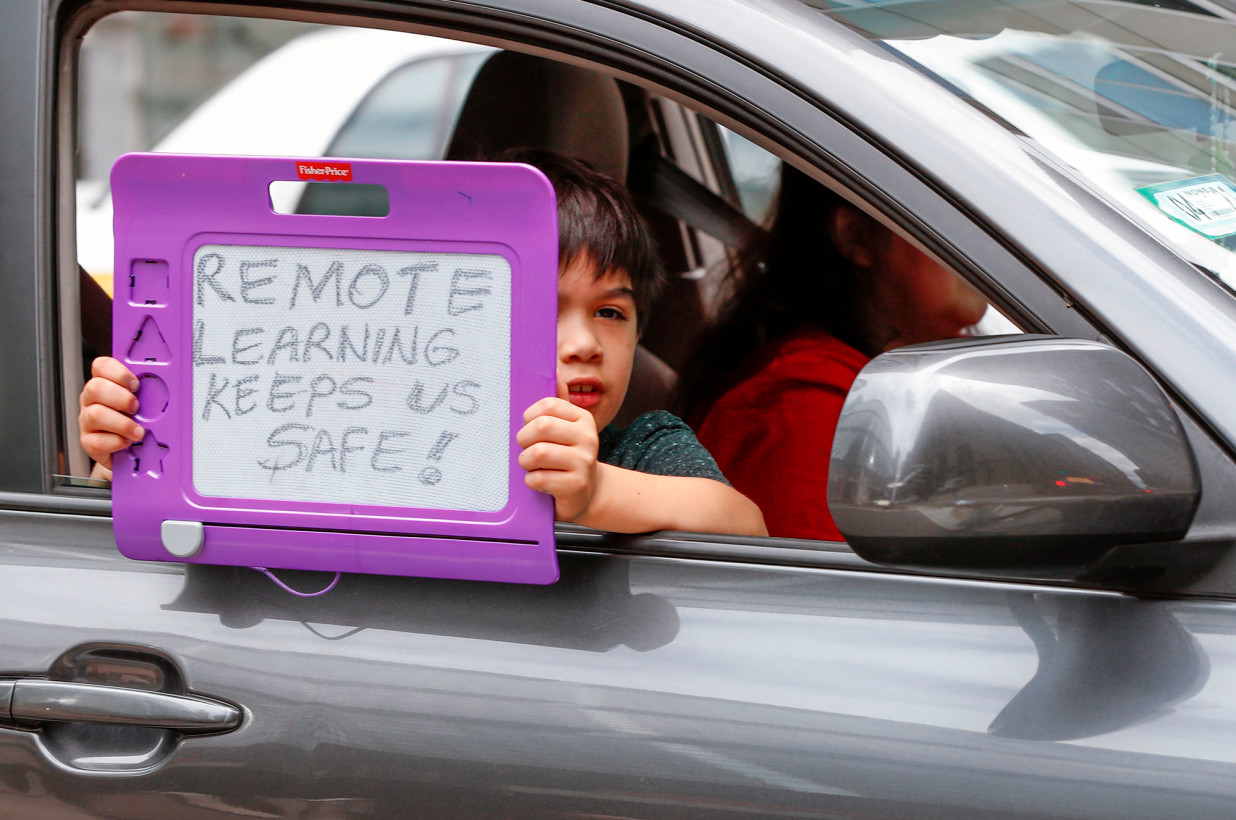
point(560, 454)
point(105, 422)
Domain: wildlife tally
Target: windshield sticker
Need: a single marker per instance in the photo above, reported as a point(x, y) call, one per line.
point(1203, 204)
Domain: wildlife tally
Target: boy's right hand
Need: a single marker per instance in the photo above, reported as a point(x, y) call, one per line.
point(107, 403)
point(560, 454)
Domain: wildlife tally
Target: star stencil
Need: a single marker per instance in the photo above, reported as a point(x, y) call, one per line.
point(148, 455)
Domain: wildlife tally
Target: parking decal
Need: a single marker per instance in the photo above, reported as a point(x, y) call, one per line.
point(1206, 204)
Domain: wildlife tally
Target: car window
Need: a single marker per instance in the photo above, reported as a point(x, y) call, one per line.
point(400, 95)
point(755, 173)
point(1135, 96)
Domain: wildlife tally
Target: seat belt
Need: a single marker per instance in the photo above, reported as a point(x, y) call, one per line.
point(667, 188)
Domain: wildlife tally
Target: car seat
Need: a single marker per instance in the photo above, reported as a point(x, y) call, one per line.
point(522, 101)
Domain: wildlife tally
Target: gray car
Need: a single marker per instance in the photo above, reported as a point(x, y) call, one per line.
point(1034, 615)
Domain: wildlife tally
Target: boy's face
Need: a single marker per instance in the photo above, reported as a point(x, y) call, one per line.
point(596, 339)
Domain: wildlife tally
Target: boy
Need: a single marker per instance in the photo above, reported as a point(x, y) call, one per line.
point(654, 475)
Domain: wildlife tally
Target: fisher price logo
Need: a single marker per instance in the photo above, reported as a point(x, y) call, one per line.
point(330, 171)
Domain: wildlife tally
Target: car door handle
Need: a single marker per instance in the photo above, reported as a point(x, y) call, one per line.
point(32, 700)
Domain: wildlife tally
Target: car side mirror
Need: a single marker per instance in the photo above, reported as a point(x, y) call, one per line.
point(1032, 452)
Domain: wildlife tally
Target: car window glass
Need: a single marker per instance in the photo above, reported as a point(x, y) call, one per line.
point(1136, 96)
point(754, 172)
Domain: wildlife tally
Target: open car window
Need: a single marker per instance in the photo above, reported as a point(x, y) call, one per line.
point(309, 90)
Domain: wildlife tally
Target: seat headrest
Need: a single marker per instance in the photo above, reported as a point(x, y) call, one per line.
point(521, 101)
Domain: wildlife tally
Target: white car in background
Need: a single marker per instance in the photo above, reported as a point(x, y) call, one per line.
point(338, 92)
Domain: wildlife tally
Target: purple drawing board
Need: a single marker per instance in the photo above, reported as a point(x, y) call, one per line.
point(335, 392)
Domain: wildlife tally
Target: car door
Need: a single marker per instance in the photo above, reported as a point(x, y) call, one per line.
point(667, 675)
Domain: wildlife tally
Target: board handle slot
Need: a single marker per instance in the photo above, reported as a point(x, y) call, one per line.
point(295, 197)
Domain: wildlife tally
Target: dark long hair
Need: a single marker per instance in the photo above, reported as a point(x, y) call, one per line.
point(790, 277)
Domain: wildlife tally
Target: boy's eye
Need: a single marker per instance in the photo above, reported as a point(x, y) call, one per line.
point(610, 313)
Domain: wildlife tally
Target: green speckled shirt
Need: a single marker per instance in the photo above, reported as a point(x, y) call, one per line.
point(659, 443)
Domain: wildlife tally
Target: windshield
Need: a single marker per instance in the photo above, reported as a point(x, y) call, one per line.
point(1135, 95)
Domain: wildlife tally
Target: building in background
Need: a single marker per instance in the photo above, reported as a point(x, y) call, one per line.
point(140, 73)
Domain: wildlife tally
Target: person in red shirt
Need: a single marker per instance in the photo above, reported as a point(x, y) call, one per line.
point(826, 288)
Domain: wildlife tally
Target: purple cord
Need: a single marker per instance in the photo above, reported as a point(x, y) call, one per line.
point(287, 588)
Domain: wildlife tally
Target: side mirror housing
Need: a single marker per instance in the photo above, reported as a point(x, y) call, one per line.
point(1010, 452)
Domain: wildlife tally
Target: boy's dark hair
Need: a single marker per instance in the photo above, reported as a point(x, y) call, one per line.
point(597, 218)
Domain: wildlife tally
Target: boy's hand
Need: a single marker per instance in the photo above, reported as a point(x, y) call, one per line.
point(107, 401)
point(560, 454)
